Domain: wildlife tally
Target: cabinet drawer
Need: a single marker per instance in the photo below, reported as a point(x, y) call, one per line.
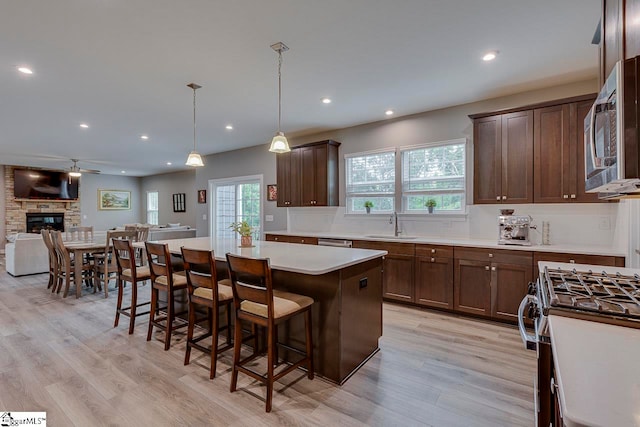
point(391, 247)
point(303, 240)
point(276, 238)
point(434, 251)
point(578, 259)
point(494, 255)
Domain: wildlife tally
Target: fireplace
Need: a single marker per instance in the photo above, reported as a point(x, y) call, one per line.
point(47, 221)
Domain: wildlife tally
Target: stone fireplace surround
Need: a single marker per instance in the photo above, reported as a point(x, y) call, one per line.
point(16, 210)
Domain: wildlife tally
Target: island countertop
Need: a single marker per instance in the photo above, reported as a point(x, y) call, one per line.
point(293, 257)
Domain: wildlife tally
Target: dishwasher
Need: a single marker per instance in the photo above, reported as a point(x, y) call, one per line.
point(339, 243)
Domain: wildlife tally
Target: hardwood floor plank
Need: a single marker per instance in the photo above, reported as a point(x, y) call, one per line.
point(63, 356)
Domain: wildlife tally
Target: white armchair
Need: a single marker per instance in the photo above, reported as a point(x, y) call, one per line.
point(27, 255)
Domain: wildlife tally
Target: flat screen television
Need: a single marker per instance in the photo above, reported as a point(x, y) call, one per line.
point(43, 184)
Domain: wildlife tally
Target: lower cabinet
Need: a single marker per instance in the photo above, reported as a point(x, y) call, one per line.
point(397, 268)
point(433, 282)
point(491, 282)
point(291, 239)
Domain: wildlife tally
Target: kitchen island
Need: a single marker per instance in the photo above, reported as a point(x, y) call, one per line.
point(345, 283)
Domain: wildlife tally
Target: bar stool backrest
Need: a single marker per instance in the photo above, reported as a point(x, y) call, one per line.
point(251, 281)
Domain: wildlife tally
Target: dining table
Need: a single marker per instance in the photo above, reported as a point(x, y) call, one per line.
point(79, 248)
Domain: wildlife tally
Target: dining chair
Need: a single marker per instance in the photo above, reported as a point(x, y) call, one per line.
point(66, 266)
point(104, 264)
point(163, 279)
point(204, 290)
point(256, 301)
point(129, 271)
point(53, 258)
point(84, 233)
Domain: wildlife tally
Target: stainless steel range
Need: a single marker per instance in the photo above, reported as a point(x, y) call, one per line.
point(588, 292)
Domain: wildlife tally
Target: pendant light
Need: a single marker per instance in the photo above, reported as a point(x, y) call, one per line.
point(279, 143)
point(194, 158)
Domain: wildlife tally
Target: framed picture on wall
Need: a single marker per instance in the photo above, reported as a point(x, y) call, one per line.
point(202, 196)
point(272, 192)
point(109, 200)
point(179, 202)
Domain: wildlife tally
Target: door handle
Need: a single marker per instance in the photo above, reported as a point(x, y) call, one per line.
point(486, 267)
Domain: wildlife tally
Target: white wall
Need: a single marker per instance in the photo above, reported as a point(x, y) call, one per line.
point(2, 210)
point(167, 185)
point(104, 220)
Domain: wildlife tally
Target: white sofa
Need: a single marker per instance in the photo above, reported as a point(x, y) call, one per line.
point(27, 254)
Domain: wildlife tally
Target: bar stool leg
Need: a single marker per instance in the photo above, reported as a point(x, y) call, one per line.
point(237, 344)
point(152, 311)
point(134, 306)
point(309, 343)
point(214, 342)
point(119, 303)
point(170, 314)
point(271, 344)
point(192, 321)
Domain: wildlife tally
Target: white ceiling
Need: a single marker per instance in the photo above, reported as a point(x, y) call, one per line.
point(122, 66)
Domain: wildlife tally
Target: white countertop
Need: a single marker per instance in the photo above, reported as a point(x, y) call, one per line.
point(597, 372)
point(297, 258)
point(478, 243)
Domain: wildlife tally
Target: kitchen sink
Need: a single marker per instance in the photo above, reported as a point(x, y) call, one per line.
point(390, 236)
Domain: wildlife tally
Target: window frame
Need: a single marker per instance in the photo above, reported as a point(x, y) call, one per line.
point(372, 195)
point(157, 210)
point(403, 195)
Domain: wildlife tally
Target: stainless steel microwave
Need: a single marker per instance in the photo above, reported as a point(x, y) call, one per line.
point(612, 159)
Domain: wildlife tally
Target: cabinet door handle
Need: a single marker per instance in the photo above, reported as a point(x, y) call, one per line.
point(504, 197)
point(302, 240)
point(486, 267)
point(433, 251)
point(275, 238)
point(572, 261)
point(493, 269)
point(498, 198)
point(490, 255)
point(573, 196)
point(433, 260)
point(565, 196)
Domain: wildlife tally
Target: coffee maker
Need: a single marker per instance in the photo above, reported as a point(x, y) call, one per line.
point(514, 229)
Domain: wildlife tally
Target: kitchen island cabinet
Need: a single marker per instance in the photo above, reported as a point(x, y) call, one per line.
point(345, 284)
point(397, 279)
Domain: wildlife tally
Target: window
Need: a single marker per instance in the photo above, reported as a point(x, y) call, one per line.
point(152, 207)
point(371, 177)
point(434, 171)
point(236, 199)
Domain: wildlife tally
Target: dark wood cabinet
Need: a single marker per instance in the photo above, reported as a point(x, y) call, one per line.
point(503, 158)
point(552, 154)
point(288, 178)
point(291, 239)
point(397, 275)
point(631, 29)
point(308, 175)
point(434, 276)
point(614, 261)
point(620, 34)
point(491, 282)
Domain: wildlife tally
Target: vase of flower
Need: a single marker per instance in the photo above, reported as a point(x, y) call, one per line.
point(430, 204)
point(368, 205)
point(244, 230)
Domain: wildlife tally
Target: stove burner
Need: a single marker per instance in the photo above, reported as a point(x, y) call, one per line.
point(602, 293)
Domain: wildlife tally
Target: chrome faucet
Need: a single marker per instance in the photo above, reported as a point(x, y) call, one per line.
point(393, 219)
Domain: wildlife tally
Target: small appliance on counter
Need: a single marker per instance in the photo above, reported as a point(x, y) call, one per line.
point(513, 229)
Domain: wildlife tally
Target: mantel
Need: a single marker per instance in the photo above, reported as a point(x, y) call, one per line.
point(25, 201)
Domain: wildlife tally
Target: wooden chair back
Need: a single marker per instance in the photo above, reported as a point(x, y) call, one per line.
point(251, 281)
point(159, 259)
point(200, 269)
point(142, 233)
point(118, 235)
point(80, 233)
point(64, 258)
point(53, 259)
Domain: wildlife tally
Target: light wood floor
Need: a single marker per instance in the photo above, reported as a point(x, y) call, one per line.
point(64, 357)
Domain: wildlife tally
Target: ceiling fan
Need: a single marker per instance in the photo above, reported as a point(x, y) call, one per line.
point(75, 171)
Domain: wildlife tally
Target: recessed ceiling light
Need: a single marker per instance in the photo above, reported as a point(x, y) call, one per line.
point(84, 126)
point(25, 70)
point(168, 163)
point(123, 171)
point(490, 56)
point(229, 127)
point(145, 137)
point(326, 100)
point(389, 112)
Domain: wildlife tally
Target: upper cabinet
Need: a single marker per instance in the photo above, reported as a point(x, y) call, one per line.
point(503, 158)
point(532, 155)
point(620, 33)
point(308, 175)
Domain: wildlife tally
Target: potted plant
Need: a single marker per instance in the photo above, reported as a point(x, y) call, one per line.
point(430, 204)
point(244, 230)
point(368, 205)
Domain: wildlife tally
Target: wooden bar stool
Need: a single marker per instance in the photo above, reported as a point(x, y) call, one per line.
point(256, 301)
point(128, 271)
point(104, 264)
point(206, 291)
point(163, 279)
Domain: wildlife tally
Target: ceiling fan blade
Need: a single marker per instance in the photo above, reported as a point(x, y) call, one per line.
point(90, 171)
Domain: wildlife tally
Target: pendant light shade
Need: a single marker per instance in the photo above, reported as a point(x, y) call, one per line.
point(194, 158)
point(279, 143)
